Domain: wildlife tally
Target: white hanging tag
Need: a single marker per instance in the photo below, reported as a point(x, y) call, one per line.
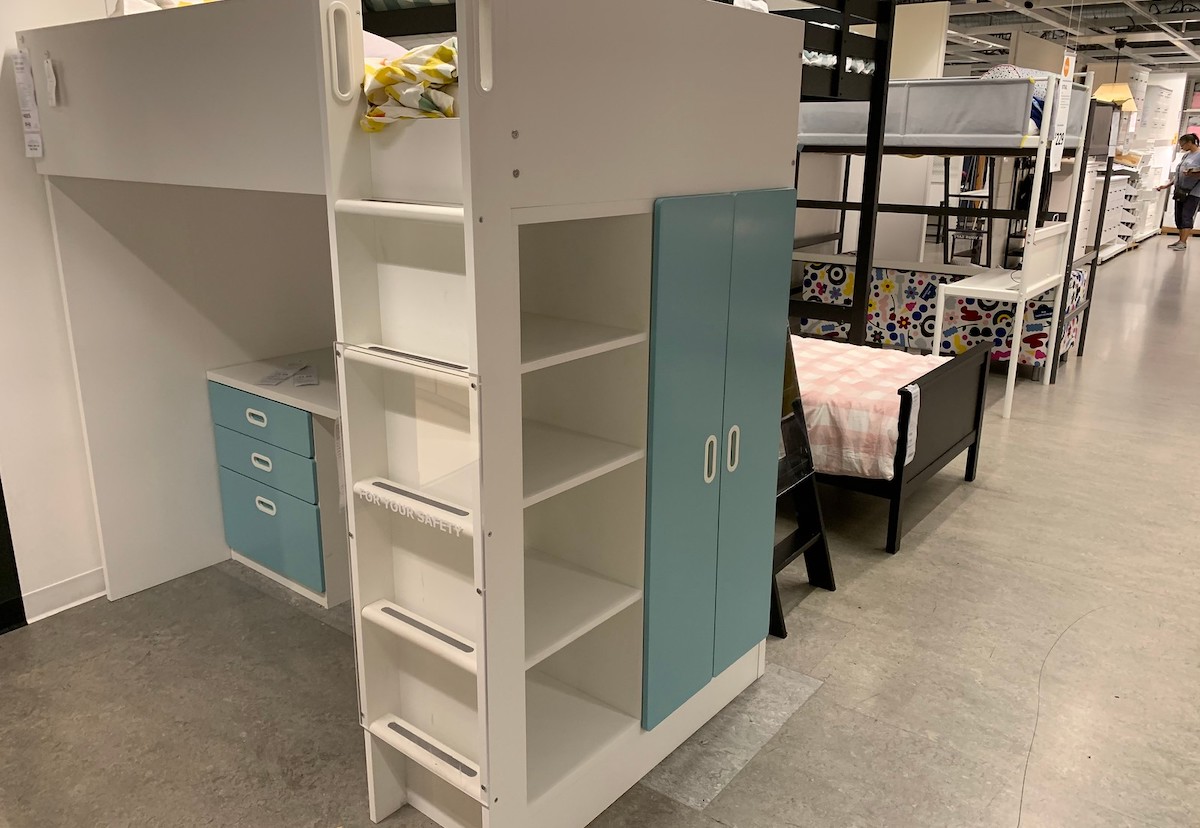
point(51, 83)
point(33, 145)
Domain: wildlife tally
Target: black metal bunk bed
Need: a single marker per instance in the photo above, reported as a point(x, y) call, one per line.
point(1016, 214)
point(829, 33)
point(1100, 120)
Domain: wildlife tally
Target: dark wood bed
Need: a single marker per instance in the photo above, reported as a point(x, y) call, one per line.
point(953, 397)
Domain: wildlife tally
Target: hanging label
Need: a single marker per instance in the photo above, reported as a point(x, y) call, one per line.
point(31, 123)
point(1062, 109)
point(33, 145)
point(51, 82)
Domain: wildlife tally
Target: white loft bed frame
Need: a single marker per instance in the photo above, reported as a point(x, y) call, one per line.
point(949, 113)
point(1047, 255)
point(502, 198)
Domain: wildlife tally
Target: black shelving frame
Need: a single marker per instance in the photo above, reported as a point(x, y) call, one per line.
point(830, 34)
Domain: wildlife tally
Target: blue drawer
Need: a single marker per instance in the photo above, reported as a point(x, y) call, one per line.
point(278, 468)
point(266, 420)
point(281, 532)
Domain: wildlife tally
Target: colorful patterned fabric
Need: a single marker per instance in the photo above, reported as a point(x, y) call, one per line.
point(852, 403)
point(902, 304)
point(420, 84)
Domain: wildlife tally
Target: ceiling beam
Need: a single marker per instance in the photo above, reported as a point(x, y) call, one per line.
point(1171, 34)
point(1131, 37)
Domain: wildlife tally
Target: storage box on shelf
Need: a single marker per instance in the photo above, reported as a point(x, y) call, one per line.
point(279, 474)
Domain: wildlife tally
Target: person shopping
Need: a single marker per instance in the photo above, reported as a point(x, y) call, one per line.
point(1186, 180)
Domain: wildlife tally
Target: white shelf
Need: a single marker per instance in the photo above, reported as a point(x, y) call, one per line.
point(424, 633)
point(564, 602)
point(378, 208)
point(557, 459)
point(565, 729)
point(425, 507)
point(320, 399)
point(548, 340)
point(430, 754)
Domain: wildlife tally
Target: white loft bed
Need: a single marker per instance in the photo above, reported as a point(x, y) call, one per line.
point(490, 297)
point(942, 112)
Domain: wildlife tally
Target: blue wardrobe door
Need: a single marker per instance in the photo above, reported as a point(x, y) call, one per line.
point(758, 313)
point(693, 240)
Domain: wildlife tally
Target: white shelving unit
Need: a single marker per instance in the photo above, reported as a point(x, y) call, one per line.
point(488, 296)
point(494, 351)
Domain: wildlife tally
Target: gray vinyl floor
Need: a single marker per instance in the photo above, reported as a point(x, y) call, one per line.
point(1031, 658)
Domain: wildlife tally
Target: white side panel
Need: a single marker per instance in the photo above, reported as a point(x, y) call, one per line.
point(161, 284)
point(628, 99)
point(216, 95)
point(41, 439)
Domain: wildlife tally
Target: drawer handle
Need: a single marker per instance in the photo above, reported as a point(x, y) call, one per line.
point(265, 506)
point(256, 417)
point(261, 461)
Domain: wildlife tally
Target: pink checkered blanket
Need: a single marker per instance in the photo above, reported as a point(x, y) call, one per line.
point(852, 404)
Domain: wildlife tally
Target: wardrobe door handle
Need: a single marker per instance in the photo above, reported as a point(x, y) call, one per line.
point(733, 448)
point(261, 461)
point(710, 458)
point(256, 418)
point(265, 506)
point(340, 51)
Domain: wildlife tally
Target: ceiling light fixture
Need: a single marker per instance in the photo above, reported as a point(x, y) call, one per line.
point(1117, 92)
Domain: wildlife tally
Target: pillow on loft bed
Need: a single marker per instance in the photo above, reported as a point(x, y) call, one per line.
point(1007, 70)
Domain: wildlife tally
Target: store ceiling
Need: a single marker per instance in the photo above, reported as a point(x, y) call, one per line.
point(1162, 36)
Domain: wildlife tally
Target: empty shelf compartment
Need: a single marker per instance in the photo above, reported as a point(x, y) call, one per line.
point(547, 340)
point(430, 754)
point(566, 727)
point(424, 633)
point(564, 602)
point(424, 508)
point(557, 459)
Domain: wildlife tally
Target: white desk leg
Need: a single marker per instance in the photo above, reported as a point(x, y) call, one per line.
point(1014, 356)
point(1052, 339)
point(938, 314)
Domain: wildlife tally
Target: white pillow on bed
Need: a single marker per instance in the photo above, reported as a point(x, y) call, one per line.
point(375, 46)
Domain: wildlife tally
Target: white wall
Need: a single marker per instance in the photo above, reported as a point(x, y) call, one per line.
point(42, 458)
point(1032, 52)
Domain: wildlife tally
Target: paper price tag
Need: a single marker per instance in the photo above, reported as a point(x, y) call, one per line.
point(26, 99)
point(51, 82)
point(31, 123)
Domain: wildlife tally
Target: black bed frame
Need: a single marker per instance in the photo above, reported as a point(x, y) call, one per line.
point(950, 421)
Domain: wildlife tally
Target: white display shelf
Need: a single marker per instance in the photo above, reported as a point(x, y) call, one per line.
point(547, 341)
point(429, 753)
point(565, 729)
point(564, 602)
point(320, 399)
point(557, 460)
point(424, 633)
point(430, 506)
